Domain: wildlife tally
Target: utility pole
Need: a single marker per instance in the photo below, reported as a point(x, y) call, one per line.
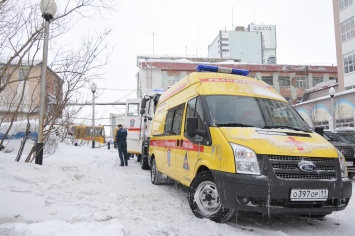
point(153, 44)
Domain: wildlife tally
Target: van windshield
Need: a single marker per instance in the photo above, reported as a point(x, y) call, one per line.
point(240, 111)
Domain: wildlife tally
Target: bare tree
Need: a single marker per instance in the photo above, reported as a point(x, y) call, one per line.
point(21, 35)
point(315, 114)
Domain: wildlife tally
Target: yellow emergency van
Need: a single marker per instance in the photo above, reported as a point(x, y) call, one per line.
point(239, 146)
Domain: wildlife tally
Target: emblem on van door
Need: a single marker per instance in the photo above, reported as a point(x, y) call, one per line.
point(306, 166)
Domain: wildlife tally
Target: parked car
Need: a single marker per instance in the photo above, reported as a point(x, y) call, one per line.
point(347, 134)
point(344, 146)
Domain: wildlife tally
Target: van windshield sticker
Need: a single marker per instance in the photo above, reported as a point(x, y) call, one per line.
point(186, 163)
point(296, 143)
point(168, 157)
point(235, 81)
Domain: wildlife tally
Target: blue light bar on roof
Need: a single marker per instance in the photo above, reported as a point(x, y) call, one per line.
point(217, 69)
point(158, 91)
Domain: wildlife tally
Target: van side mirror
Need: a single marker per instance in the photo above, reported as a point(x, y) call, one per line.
point(319, 130)
point(143, 104)
point(192, 127)
point(142, 111)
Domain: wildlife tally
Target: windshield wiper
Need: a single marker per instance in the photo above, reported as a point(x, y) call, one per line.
point(282, 127)
point(234, 125)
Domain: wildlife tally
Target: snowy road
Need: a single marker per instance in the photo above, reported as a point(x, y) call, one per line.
point(80, 191)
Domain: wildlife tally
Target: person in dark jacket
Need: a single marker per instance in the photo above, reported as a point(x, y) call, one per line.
point(121, 142)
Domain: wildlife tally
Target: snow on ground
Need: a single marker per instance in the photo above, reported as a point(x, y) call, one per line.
point(82, 191)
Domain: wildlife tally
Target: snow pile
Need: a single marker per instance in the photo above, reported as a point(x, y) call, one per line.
point(83, 191)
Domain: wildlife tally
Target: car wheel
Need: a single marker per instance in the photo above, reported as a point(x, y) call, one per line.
point(155, 174)
point(204, 199)
point(139, 157)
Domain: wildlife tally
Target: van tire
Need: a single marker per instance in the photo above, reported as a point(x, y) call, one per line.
point(202, 195)
point(144, 163)
point(155, 174)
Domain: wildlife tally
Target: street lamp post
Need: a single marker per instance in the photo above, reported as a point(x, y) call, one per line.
point(331, 94)
point(48, 9)
point(93, 90)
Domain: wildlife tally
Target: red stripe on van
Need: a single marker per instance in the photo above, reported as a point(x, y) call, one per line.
point(172, 144)
point(240, 81)
point(134, 129)
point(165, 96)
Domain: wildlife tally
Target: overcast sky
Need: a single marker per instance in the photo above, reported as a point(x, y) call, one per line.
point(304, 31)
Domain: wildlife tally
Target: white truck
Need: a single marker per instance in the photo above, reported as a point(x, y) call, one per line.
point(138, 116)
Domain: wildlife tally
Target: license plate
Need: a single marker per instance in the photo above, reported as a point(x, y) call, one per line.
point(349, 163)
point(309, 194)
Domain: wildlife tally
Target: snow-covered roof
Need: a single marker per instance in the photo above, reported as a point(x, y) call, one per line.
point(320, 86)
point(326, 97)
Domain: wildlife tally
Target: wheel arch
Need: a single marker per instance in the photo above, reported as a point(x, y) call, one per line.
point(202, 168)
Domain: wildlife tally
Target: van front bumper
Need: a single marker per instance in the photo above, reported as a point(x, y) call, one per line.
point(271, 195)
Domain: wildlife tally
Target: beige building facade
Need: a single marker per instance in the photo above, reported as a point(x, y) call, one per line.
point(344, 26)
point(317, 107)
point(21, 95)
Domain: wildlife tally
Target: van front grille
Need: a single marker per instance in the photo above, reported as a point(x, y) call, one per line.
point(297, 176)
point(286, 167)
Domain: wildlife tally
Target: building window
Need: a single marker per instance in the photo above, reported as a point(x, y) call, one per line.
point(350, 87)
point(133, 109)
point(344, 123)
point(347, 29)
point(23, 73)
point(316, 80)
point(268, 80)
point(301, 82)
point(344, 4)
point(324, 124)
point(171, 81)
point(284, 81)
point(349, 64)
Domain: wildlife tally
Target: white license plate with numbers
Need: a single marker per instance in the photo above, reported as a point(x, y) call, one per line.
point(349, 163)
point(309, 194)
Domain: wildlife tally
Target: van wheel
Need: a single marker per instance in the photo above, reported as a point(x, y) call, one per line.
point(144, 163)
point(204, 199)
point(155, 174)
point(351, 175)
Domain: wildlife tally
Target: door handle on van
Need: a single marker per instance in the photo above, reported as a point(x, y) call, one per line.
point(179, 142)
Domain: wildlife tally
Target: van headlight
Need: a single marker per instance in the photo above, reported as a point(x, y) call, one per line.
point(245, 160)
point(342, 164)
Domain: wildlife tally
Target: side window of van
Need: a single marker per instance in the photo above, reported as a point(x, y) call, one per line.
point(173, 121)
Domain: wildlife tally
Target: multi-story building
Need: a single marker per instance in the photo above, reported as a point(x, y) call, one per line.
point(289, 80)
point(20, 91)
point(256, 44)
point(319, 108)
point(344, 14)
